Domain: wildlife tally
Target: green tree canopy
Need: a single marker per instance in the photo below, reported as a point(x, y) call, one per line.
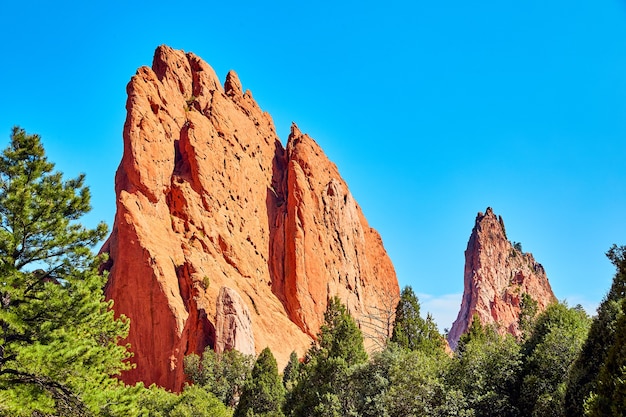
point(339, 336)
point(410, 330)
point(586, 368)
point(58, 337)
point(529, 308)
point(263, 393)
point(194, 401)
point(322, 389)
point(222, 374)
point(554, 343)
point(609, 396)
point(291, 373)
point(485, 371)
point(417, 387)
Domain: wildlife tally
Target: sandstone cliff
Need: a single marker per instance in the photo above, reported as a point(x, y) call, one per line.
point(496, 276)
point(222, 236)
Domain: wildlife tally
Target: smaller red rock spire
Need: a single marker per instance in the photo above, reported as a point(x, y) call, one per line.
point(295, 131)
point(496, 276)
point(232, 86)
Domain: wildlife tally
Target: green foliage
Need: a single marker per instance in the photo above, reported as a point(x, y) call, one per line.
point(528, 313)
point(194, 401)
point(58, 337)
point(601, 337)
point(339, 336)
point(190, 103)
point(476, 332)
point(221, 374)
point(322, 389)
point(412, 332)
point(609, 397)
point(291, 373)
point(417, 387)
point(399, 382)
point(484, 371)
point(263, 393)
point(553, 345)
point(369, 382)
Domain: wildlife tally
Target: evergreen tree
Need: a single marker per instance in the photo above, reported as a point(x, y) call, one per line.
point(484, 371)
point(339, 336)
point(222, 374)
point(529, 309)
point(58, 337)
point(263, 394)
point(291, 373)
point(476, 332)
point(417, 387)
point(410, 331)
point(548, 353)
point(194, 401)
point(585, 370)
point(609, 397)
point(322, 389)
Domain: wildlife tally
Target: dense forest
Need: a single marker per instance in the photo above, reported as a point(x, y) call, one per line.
point(60, 348)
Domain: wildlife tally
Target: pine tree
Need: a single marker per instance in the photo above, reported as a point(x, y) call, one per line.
point(58, 337)
point(412, 332)
point(529, 309)
point(322, 389)
point(586, 368)
point(222, 374)
point(291, 373)
point(476, 332)
point(263, 393)
point(339, 336)
point(609, 397)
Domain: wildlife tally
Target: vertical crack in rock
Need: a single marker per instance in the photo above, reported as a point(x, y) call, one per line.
point(198, 332)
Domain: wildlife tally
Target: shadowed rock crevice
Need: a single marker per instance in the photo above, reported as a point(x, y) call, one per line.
point(198, 332)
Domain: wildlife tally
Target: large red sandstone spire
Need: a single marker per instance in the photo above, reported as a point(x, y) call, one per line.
point(496, 276)
point(223, 237)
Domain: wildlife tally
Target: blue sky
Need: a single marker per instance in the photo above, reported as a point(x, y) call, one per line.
point(431, 110)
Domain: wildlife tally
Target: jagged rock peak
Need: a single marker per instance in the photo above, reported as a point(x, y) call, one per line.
point(222, 236)
point(232, 86)
point(495, 277)
point(295, 131)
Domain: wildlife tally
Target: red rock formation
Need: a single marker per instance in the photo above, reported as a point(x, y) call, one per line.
point(233, 323)
point(208, 197)
point(496, 276)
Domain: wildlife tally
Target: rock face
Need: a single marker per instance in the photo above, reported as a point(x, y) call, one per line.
point(496, 276)
point(222, 236)
point(233, 323)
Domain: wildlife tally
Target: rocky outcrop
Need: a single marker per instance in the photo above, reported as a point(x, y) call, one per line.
point(496, 275)
point(233, 323)
point(208, 198)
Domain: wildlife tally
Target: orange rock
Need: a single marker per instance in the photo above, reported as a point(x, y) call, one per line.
point(208, 197)
point(496, 276)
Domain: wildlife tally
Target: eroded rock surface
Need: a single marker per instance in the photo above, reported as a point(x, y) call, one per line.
point(233, 323)
point(208, 197)
point(496, 276)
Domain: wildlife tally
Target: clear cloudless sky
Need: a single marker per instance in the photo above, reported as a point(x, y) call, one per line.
point(432, 111)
